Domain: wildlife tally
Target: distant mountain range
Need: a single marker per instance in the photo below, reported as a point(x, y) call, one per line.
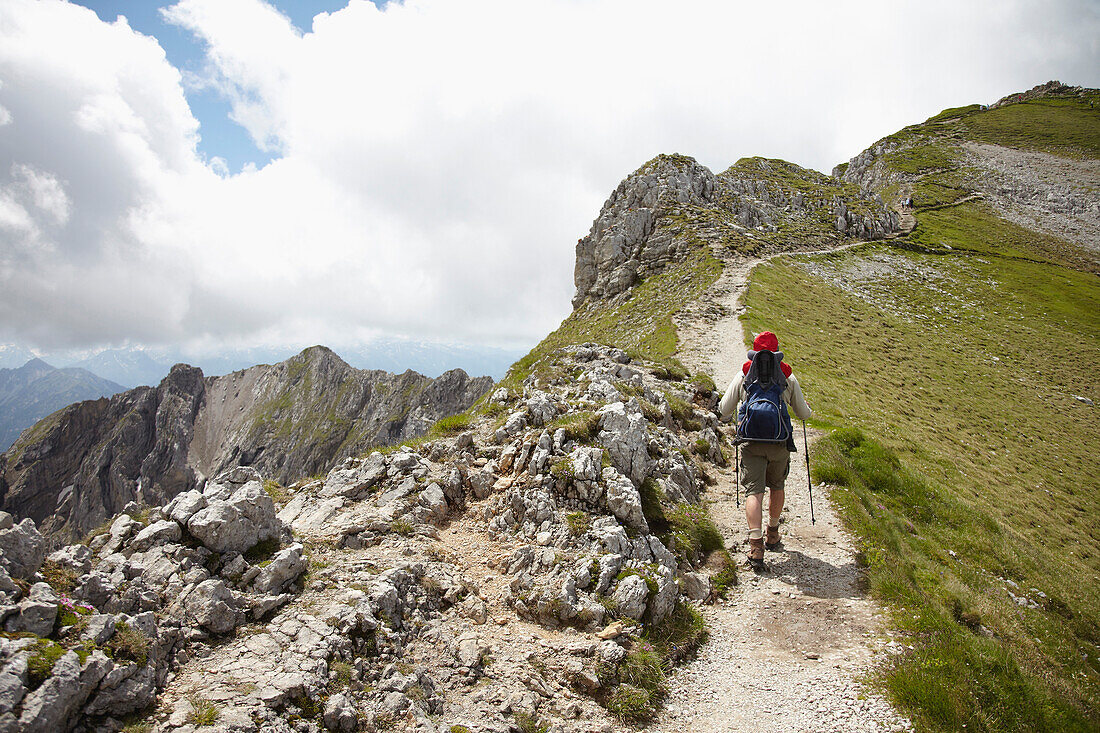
point(289, 420)
point(133, 367)
point(36, 389)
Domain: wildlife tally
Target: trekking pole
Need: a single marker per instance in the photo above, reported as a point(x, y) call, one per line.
point(737, 470)
point(809, 484)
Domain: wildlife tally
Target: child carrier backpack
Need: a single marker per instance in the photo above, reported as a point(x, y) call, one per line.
point(762, 416)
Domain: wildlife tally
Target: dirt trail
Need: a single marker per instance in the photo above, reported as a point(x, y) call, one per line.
point(788, 650)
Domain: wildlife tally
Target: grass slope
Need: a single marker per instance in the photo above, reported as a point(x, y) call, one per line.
point(639, 323)
point(963, 363)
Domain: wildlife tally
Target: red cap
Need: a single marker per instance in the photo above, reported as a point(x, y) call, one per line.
point(766, 341)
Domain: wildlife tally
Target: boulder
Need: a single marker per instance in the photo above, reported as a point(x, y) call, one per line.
point(586, 462)
point(433, 499)
point(695, 586)
point(157, 533)
point(184, 506)
point(77, 558)
point(353, 478)
point(51, 706)
point(664, 600)
point(481, 483)
point(22, 549)
point(624, 434)
point(212, 605)
point(623, 500)
point(630, 596)
point(540, 409)
point(283, 570)
point(122, 528)
point(237, 523)
point(339, 714)
point(37, 617)
point(13, 681)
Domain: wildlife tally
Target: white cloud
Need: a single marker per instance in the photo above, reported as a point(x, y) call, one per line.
point(47, 193)
point(438, 158)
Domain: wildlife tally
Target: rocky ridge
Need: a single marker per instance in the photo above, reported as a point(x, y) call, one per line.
point(672, 204)
point(458, 581)
point(83, 464)
point(93, 631)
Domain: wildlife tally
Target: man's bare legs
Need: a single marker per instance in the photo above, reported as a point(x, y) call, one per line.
point(754, 510)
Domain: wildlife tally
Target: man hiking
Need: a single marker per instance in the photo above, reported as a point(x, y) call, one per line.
point(764, 390)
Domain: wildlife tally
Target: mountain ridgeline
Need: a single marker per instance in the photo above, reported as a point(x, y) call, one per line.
point(84, 463)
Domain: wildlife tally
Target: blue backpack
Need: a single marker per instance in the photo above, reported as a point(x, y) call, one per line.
point(762, 416)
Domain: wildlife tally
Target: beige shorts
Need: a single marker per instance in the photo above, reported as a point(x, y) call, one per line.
point(764, 464)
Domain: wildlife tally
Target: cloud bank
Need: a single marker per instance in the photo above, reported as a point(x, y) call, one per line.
point(436, 160)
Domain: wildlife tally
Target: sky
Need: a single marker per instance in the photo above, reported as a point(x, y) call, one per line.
point(222, 174)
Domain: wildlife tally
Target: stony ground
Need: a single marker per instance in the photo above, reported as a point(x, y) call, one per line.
point(790, 650)
point(1041, 191)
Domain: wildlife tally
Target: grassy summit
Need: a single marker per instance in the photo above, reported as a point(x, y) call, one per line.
point(955, 360)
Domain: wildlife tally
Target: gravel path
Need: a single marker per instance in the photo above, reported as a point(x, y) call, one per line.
point(789, 649)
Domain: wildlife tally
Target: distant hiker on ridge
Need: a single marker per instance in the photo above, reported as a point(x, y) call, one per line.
point(764, 389)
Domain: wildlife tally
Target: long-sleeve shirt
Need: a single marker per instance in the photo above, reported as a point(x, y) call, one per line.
point(792, 395)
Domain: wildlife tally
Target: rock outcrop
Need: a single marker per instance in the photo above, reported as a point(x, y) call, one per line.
point(117, 616)
point(672, 204)
point(427, 566)
point(84, 463)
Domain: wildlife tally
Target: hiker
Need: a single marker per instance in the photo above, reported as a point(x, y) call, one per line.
point(764, 390)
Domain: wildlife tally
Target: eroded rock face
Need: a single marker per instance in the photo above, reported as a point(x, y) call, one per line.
point(620, 247)
point(147, 445)
point(664, 210)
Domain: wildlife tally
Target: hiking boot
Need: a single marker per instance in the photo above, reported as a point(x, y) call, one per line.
point(772, 540)
point(756, 553)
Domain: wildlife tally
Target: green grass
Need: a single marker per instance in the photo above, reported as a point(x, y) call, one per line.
point(692, 533)
point(638, 683)
point(641, 325)
point(526, 723)
point(203, 712)
point(59, 577)
point(277, 492)
point(581, 426)
point(962, 366)
point(1062, 126)
point(453, 424)
point(128, 644)
point(972, 227)
point(957, 676)
point(578, 522)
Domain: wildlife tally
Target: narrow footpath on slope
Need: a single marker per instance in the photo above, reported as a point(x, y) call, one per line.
point(790, 648)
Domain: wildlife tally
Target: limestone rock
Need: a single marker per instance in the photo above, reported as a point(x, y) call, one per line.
point(157, 533)
point(52, 705)
point(623, 432)
point(630, 596)
point(283, 569)
point(237, 523)
point(184, 506)
point(22, 549)
point(695, 586)
point(212, 605)
point(623, 500)
point(339, 714)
